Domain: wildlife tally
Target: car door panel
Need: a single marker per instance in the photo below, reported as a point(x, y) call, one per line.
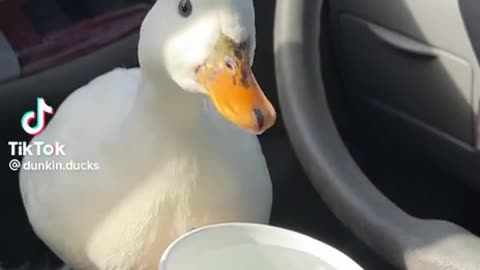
point(413, 56)
point(413, 78)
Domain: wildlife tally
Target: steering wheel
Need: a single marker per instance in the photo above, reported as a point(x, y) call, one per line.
point(407, 242)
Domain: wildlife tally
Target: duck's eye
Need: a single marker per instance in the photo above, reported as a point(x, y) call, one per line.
point(185, 8)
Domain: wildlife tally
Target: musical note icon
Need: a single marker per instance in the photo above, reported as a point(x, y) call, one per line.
point(40, 115)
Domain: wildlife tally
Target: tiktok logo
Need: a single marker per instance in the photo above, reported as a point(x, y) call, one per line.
point(40, 115)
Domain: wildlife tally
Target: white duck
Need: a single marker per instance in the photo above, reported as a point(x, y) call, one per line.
point(169, 160)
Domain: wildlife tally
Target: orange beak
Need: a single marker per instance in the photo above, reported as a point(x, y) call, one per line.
point(230, 83)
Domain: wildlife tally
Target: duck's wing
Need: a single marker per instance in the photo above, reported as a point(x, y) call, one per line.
point(79, 124)
point(97, 106)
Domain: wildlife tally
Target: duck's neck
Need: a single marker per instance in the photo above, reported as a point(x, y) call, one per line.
point(162, 105)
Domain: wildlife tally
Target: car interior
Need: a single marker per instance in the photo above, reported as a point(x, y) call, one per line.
point(377, 148)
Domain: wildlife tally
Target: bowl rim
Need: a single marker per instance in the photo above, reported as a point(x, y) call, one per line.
point(345, 258)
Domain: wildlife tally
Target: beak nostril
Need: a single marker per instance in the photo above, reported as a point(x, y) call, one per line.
point(229, 63)
point(259, 117)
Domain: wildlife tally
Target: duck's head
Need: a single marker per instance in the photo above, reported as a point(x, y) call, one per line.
point(207, 47)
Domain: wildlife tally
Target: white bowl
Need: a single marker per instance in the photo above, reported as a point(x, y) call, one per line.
point(246, 246)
